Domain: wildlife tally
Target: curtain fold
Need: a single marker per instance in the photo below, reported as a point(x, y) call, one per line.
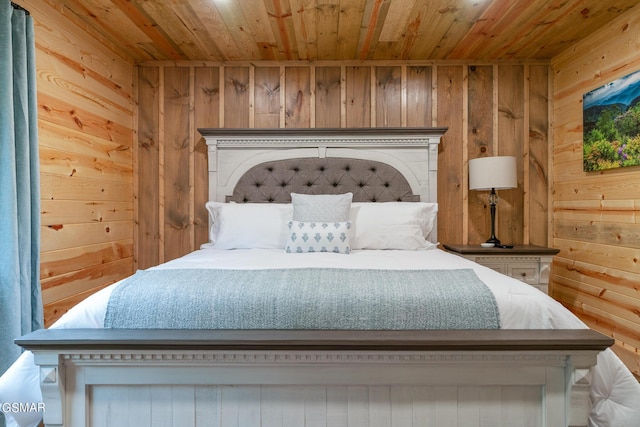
point(20, 294)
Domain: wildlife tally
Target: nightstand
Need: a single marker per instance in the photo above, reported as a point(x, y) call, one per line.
point(528, 263)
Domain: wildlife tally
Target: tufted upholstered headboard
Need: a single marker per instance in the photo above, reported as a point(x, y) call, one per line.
point(368, 180)
point(376, 164)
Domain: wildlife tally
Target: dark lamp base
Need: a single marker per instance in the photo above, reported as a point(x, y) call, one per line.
point(494, 240)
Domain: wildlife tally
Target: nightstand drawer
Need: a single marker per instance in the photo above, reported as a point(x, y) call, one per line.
point(500, 267)
point(526, 272)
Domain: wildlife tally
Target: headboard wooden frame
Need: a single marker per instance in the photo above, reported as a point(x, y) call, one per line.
point(412, 151)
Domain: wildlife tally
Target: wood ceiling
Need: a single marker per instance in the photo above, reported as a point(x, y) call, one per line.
point(316, 30)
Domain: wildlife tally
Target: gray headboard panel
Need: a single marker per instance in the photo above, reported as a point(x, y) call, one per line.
point(368, 180)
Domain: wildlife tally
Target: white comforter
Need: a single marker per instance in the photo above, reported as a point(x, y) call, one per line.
point(615, 392)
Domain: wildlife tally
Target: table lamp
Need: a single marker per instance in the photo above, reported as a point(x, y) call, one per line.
point(493, 173)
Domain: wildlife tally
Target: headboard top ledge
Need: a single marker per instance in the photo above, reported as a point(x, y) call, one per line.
point(413, 151)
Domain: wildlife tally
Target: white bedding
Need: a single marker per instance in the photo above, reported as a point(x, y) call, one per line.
point(615, 392)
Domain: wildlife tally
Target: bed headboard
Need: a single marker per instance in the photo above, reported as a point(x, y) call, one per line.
point(368, 180)
point(376, 164)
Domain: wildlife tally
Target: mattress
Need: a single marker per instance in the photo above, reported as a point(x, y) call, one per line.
point(615, 392)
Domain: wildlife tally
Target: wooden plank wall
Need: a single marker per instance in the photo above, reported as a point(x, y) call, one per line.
point(597, 272)
point(490, 109)
point(86, 119)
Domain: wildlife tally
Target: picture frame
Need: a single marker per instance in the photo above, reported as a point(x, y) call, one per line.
point(611, 124)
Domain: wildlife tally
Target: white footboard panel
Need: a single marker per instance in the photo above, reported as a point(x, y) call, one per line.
point(430, 379)
point(310, 406)
point(293, 389)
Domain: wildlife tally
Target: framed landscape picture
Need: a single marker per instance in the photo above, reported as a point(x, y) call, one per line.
point(611, 124)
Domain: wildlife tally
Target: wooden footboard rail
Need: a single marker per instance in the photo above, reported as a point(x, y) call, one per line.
point(352, 378)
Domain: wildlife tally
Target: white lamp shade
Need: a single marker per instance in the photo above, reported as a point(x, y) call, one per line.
point(496, 172)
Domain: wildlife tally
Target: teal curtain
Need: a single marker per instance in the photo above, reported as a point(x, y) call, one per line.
point(20, 294)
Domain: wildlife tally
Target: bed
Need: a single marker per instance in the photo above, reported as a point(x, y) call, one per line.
point(521, 360)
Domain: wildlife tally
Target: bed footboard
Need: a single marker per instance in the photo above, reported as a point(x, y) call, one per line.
point(94, 377)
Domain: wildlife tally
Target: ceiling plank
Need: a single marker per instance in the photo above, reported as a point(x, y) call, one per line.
point(145, 23)
point(305, 28)
point(350, 19)
point(101, 18)
point(215, 25)
point(256, 15)
point(396, 22)
point(327, 12)
point(280, 15)
point(434, 22)
point(201, 38)
point(486, 28)
point(228, 21)
point(466, 16)
point(374, 25)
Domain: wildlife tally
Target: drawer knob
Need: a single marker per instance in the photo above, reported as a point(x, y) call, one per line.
point(523, 274)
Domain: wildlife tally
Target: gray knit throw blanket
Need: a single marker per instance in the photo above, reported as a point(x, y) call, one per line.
point(303, 298)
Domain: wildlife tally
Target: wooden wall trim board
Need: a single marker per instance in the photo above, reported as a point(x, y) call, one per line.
point(526, 128)
point(550, 155)
point(345, 63)
point(481, 142)
point(161, 161)
point(465, 153)
point(147, 160)
point(136, 177)
point(597, 272)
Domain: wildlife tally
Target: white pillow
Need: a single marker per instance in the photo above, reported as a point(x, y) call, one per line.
point(248, 225)
point(321, 207)
point(319, 237)
point(392, 225)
